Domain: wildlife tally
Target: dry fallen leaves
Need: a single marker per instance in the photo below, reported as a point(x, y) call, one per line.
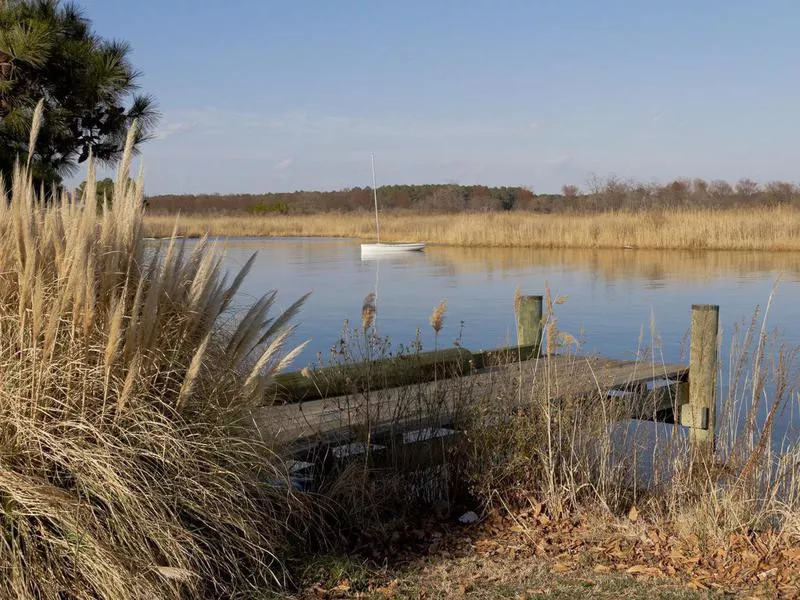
point(633, 514)
point(740, 562)
point(643, 551)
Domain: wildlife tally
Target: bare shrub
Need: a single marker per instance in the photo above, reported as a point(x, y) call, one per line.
point(570, 191)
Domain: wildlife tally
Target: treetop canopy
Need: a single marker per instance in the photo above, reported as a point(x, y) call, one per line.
point(48, 50)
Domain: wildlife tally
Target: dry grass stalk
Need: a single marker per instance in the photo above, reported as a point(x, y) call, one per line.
point(125, 469)
point(437, 316)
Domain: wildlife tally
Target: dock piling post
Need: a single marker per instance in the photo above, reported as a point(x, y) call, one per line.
point(529, 322)
point(700, 414)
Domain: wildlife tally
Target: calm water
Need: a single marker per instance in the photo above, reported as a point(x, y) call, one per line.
point(618, 302)
point(615, 299)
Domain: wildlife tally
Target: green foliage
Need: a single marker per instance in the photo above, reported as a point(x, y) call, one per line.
point(49, 50)
point(104, 190)
point(264, 208)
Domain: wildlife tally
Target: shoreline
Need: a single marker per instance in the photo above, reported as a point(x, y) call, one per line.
point(767, 230)
point(198, 236)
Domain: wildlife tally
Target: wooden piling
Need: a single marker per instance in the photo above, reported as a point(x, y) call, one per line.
point(700, 413)
point(529, 322)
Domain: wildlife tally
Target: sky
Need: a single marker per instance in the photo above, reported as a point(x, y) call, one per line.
point(270, 96)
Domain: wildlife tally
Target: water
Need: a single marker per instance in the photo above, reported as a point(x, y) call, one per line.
point(618, 302)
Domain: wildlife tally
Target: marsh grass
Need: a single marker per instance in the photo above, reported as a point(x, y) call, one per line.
point(768, 228)
point(126, 466)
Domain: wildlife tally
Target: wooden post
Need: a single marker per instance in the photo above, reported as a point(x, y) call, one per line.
point(700, 414)
point(529, 322)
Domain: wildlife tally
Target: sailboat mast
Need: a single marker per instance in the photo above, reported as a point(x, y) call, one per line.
point(375, 196)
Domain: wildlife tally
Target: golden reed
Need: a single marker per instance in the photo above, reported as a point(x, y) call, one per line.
point(776, 229)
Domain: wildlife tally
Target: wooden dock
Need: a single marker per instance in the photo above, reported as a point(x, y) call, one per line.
point(650, 391)
point(355, 410)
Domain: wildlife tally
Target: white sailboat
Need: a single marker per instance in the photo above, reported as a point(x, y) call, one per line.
point(380, 249)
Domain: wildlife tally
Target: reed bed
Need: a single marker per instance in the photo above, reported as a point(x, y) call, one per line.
point(774, 229)
point(126, 469)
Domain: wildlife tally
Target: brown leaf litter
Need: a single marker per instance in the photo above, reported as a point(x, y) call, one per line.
point(766, 562)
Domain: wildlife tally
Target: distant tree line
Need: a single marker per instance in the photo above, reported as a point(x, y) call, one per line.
point(428, 198)
point(610, 194)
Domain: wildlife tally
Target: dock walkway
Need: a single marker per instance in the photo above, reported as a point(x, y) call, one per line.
point(649, 391)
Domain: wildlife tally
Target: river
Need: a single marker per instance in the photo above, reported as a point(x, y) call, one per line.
point(616, 301)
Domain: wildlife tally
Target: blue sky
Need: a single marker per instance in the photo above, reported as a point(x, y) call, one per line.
point(264, 95)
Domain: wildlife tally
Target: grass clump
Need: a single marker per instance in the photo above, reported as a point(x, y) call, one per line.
point(126, 468)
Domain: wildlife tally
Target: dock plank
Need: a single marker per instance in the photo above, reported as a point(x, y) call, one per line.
point(337, 420)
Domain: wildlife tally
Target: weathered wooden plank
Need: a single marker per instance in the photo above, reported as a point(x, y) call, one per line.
point(327, 382)
point(498, 357)
point(350, 379)
point(365, 414)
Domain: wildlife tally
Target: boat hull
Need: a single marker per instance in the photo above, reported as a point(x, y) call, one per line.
point(374, 249)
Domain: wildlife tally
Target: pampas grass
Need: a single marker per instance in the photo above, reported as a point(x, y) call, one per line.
point(127, 469)
point(437, 316)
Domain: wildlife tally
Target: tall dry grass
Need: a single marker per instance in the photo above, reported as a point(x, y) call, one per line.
point(126, 467)
point(695, 229)
point(541, 434)
point(585, 452)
